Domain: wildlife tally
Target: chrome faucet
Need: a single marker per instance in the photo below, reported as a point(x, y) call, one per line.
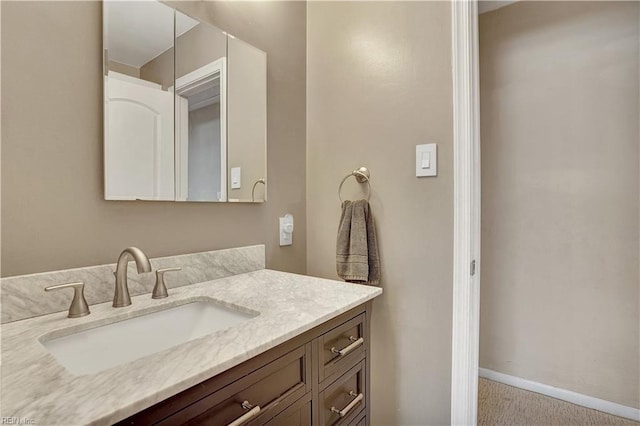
point(121, 296)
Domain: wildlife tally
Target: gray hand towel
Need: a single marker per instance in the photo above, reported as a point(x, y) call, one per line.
point(357, 257)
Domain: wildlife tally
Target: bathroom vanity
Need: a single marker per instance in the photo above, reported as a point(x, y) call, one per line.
point(294, 350)
point(320, 377)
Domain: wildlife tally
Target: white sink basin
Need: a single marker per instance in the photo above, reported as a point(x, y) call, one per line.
point(97, 349)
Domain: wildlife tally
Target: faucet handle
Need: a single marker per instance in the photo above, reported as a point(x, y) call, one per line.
point(79, 306)
point(160, 289)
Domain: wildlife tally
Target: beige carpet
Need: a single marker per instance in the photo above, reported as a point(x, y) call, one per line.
point(499, 404)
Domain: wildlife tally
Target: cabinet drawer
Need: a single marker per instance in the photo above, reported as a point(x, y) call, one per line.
point(360, 420)
point(343, 400)
point(298, 414)
point(271, 388)
point(342, 347)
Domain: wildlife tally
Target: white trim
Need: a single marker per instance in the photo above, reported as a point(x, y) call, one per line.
point(204, 103)
point(134, 80)
point(223, 129)
point(105, 132)
point(184, 84)
point(200, 75)
point(563, 394)
point(466, 246)
point(181, 146)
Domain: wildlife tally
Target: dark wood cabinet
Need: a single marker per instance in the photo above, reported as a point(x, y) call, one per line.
point(341, 346)
point(298, 413)
point(318, 378)
point(343, 399)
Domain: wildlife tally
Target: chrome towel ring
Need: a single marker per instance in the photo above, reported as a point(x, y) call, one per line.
point(253, 190)
point(362, 175)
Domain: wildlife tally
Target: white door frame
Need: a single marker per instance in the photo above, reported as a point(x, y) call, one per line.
point(185, 83)
point(466, 245)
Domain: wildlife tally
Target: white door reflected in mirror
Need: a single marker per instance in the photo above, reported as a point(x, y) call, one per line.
point(138, 107)
point(139, 126)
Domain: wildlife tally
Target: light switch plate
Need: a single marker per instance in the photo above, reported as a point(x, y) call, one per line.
point(427, 160)
point(236, 178)
point(286, 230)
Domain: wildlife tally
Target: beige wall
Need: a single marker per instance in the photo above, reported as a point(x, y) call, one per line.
point(560, 283)
point(379, 82)
point(53, 212)
point(124, 69)
point(160, 69)
point(246, 118)
point(197, 47)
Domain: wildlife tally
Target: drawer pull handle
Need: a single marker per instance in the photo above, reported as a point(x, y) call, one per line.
point(356, 343)
point(253, 411)
point(345, 410)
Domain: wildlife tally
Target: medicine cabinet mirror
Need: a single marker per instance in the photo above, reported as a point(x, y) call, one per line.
point(185, 107)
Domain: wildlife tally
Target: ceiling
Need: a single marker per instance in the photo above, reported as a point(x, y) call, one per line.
point(138, 31)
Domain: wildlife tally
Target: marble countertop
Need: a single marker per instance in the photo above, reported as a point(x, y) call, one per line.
point(35, 386)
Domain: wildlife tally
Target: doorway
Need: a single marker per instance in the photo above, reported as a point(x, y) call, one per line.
point(558, 87)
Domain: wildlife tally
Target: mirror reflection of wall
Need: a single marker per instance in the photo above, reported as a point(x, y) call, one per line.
point(247, 118)
point(139, 128)
point(200, 90)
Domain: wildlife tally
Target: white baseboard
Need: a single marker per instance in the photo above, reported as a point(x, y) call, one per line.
point(563, 394)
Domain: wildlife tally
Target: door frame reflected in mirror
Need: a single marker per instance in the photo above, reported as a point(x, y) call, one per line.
point(186, 84)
